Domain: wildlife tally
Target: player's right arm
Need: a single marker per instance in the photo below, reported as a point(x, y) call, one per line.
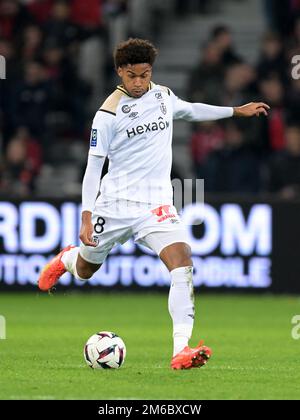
point(101, 135)
point(90, 191)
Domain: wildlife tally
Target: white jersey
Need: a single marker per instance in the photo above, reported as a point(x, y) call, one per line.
point(136, 135)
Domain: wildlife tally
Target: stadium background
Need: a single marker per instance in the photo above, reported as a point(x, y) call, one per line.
point(59, 69)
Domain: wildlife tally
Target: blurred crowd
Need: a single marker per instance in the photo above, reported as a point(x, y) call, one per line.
point(59, 67)
point(258, 155)
point(59, 63)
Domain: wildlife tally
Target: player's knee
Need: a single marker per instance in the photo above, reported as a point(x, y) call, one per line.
point(183, 259)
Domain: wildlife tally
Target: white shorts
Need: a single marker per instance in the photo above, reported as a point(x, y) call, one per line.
point(115, 222)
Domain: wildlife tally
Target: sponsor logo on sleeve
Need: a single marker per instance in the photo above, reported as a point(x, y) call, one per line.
point(94, 138)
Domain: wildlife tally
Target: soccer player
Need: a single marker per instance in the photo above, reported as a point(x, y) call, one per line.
point(133, 128)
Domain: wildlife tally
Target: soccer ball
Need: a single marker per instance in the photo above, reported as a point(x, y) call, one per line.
point(104, 350)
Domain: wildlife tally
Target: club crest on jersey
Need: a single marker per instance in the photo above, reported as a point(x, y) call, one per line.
point(94, 138)
point(95, 239)
point(163, 108)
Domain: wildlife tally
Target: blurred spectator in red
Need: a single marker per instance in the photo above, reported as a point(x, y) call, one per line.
point(87, 13)
point(22, 163)
point(14, 17)
point(273, 127)
point(40, 9)
point(284, 166)
point(234, 168)
point(208, 137)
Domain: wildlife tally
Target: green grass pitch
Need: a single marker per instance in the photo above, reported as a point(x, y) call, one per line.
point(255, 356)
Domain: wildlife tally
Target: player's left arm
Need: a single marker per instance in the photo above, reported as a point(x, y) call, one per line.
point(204, 112)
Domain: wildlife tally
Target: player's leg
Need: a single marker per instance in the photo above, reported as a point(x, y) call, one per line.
point(177, 258)
point(175, 253)
point(84, 261)
point(85, 269)
point(69, 259)
point(78, 266)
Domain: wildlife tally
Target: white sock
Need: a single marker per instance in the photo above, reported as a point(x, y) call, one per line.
point(181, 306)
point(69, 259)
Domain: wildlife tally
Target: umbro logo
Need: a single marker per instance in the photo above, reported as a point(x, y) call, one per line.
point(133, 115)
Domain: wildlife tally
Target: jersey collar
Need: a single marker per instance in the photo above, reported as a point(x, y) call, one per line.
point(122, 89)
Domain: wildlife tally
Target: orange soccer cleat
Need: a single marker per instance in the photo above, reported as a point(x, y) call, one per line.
point(53, 271)
point(191, 357)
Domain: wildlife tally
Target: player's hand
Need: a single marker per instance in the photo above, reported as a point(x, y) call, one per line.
point(87, 229)
point(251, 109)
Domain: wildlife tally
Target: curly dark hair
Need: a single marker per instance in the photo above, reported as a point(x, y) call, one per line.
point(134, 51)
